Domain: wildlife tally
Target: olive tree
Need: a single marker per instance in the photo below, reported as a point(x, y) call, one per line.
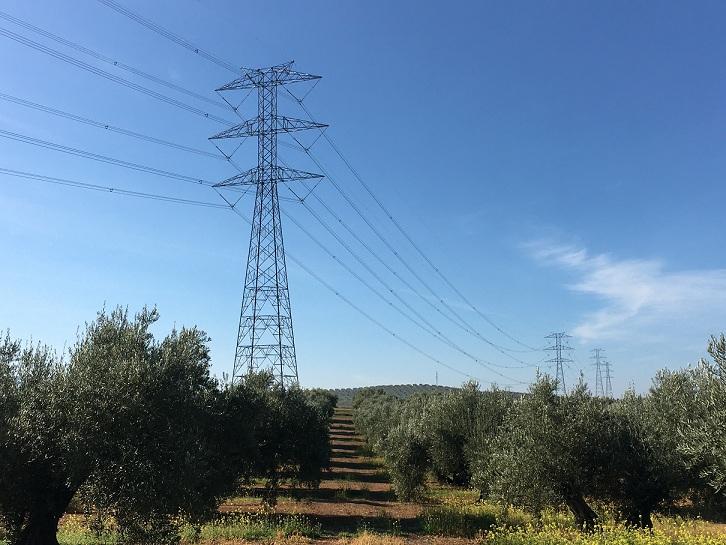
point(374, 414)
point(449, 422)
point(290, 434)
point(703, 422)
point(324, 400)
point(405, 446)
point(491, 411)
point(547, 451)
point(443, 433)
point(130, 425)
point(649, 468)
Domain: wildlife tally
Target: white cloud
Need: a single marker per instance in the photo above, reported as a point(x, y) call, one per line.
point(634, 292)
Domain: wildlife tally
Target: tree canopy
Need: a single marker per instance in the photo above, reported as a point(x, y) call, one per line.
point(138, 428)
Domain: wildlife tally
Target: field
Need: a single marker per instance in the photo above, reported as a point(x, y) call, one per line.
point(355, 505)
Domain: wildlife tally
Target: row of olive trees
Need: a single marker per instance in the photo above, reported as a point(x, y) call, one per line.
point(637, 454)
point(138, 429)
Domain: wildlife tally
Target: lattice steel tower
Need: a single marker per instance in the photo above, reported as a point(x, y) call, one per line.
point(265, 338)
point(560, 348)
point(608, 380)
point(597, 355)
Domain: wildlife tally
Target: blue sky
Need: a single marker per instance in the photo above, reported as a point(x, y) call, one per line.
point(562, 162)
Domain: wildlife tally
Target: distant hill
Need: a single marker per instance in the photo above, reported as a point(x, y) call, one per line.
point(402, 391)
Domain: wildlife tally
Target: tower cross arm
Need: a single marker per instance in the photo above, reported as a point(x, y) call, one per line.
point(280, 174)
point(282, 74)
point(280, 124)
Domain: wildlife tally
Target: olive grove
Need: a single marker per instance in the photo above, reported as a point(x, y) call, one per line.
point(137, 429)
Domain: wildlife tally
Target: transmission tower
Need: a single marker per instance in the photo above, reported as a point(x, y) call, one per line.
point(265, 340)
point(560, 348)
point(597, 355)
point(608, 384)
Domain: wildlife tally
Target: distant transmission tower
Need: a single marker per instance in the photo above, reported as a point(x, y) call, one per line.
point(265, 338)
point(608, 384)
point(597, 355)
point(560, 348)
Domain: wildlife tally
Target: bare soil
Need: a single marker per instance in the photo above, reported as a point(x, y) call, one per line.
point(355, 492)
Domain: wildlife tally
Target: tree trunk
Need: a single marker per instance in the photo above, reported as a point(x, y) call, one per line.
point(40, 529)
point(41, 525)
point(585, 517)
point(639, 519)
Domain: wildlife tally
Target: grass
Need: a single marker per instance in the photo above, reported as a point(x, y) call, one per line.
point(671, 533)
point(370, 538)
point(251, 527)
point(226, 528)
point(457, 521)
point(450, 513)
point(456, 513)
point(475, 523)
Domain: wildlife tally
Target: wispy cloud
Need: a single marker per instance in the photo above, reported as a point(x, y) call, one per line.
point(633, 292)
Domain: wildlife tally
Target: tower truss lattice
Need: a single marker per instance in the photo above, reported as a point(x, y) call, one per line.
point(265, 340)
point(559, 348)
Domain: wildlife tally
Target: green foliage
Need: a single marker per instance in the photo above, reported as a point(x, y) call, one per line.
point(400, 391)
point(670, 534)
point(449, 421)
point(445, 433)
point(645, 469)
point(458, 520)
point(138, 428)
point(563, 450)
point(324, 400)
point(548, 450)
point(480, 426)
point(406, 458)
point(231, 527)
point(125, 424)
point(374, 413)
point(537, 450)
point(703, 418)
point(290, 434)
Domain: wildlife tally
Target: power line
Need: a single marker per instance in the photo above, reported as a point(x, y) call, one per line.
point(107, 189)
point(353, 305)
point(399, 227)
point(422, 322)
point(265, 339)
point(228, 206)
point(112, 160)
point(108, 60)
point(461, 323)
point(430, 330)
point(388, 266)
point(225, 64)
point(190, 46)
point(101, 158)
point(170, 35)
point(429, 327)
point(112, 77)
point(106, 126)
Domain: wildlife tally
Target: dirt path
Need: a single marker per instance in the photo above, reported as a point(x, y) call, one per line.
point(354, 494)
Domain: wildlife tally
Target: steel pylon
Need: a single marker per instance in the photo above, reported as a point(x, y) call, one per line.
point(598, 356)
point(560, 348)
point(265, 340)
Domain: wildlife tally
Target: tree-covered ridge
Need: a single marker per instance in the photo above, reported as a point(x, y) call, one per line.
point(402, 391)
